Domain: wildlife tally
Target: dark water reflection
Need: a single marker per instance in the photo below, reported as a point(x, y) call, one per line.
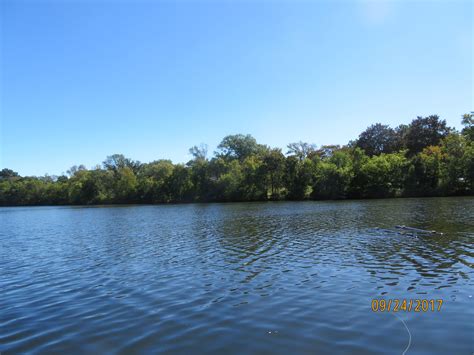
point(236, 278)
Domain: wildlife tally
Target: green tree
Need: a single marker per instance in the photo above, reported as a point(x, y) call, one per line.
point(333, 175)
point(423, 132)
point(427, 159)
point(254, 181)
point(125, 185)
point(330, 181)
point(325, 151)
point(378, 139)
point(83, 188)
point(468, 123)
point(238, 146)
point(383, 175)
point(301, 150)
point(151, 181)
point(424, 173)
point(8, 174)
point(199, 153)
point(298, 177)
point(118, 161)
point(273, 167)
point(229, 186)
point(453, 168)
point(179, 185)
point(468, 166)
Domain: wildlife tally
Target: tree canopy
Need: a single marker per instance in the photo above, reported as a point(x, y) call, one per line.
point(238, 146)
point(423, 132)
point(423, 158)
point(378, 139)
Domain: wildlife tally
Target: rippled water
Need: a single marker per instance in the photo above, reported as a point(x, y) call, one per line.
point(236, 278)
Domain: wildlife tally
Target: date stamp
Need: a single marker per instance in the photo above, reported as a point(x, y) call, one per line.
point(406, 305)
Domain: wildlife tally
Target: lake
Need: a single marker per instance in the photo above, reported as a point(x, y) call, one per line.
point(280, 277)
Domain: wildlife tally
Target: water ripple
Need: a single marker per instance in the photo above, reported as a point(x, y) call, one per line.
point(261, 277)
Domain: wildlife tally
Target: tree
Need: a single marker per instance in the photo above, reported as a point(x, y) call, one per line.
point(429, 159)
point(273, 164)
point(325, 152)
point(159, 170)
point(330, 182)
point(378, 139)
point(332, 175)
point(118, 161)
point(424, 172)
point(468, 166)
point(357, 184)
point(203, 185)
point(300, 149)
point(75, 169)
point(453, 167)
point(298, 177)
point(383, 175)
point(238, 146)
point(83, 188)
point(198, 153)
point(468, 123)
point(229, 186)
point(151, 180)
point(254, 186)
point(8, 174)
point(423, 132)
point(179, 185)
point(125, 185)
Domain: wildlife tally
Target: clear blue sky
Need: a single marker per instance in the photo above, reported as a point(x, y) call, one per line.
point(81, 80)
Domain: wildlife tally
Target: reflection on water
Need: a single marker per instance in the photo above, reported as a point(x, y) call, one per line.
point(260, 277)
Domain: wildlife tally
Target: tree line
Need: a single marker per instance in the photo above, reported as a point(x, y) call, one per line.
point(423, 158)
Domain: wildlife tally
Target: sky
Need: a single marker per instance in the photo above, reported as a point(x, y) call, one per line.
point(81, 80)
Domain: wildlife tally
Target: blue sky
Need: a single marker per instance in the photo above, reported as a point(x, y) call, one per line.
point(81, 80)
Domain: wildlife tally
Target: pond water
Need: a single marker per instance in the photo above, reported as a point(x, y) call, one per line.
point(237, 278)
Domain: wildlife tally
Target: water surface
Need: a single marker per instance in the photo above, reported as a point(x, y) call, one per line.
point(236, 278)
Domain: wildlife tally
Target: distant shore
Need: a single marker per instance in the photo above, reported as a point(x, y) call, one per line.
point(423, 159)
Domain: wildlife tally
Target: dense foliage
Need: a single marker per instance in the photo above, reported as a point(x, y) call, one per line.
point(424, 158)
